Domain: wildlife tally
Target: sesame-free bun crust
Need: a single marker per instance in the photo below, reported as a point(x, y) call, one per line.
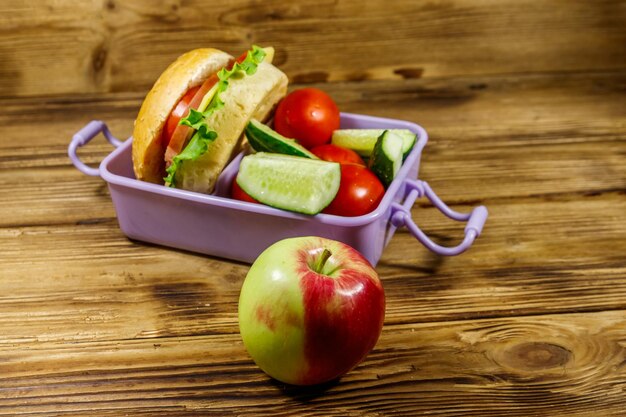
point(188, 71)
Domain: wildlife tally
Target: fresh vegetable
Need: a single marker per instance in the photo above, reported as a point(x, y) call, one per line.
point(310, 310)
point(179, 112)
point(238, 194)
point(182, 132)
point(308, 115)
point(360, 192)
point(386, 158)
point(289, 182)
point(362, 141)
point(334, 153)
point(263, 139)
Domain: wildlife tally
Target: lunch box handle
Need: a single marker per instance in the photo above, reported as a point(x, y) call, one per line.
point(401, 216)
point(83, 137)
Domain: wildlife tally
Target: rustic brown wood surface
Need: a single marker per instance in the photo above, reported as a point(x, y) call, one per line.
point(525, 104)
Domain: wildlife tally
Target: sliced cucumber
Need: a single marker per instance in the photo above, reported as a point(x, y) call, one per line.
point(263, 139)
point(289, 182)
point(386, 158)
point(362, 141)
point(408, 142)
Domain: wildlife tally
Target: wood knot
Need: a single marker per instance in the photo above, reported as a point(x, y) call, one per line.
point(98, 58)
point(409, 73)
point(254, 14)
point(311, 77)
point(478, 86)
point(357, 76)
point(535, 356)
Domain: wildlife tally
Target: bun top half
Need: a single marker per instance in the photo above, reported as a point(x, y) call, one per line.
point(188, 71)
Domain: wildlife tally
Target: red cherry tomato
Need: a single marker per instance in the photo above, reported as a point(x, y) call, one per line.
point(359, 193)
point(237, 193)
point(308, 115)
point(334, 153)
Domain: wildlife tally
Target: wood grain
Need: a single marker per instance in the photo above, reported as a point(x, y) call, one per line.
point(524, 274)
point(557, 135)
point(518, 366)
point(63, 47)
point(525, 106)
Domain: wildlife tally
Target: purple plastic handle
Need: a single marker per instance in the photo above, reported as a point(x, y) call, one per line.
point(83, 137)
point(402, 217)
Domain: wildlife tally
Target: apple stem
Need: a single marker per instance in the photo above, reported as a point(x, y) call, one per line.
point(321, 261)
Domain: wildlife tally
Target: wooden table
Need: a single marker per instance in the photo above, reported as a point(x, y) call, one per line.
point(526, 108)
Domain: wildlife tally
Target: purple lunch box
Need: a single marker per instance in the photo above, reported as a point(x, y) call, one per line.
point(220, 226)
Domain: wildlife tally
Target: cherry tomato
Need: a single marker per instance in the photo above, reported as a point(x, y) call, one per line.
point(334, 153)
point(308, 115)
point(237, 193)
point(360, 192)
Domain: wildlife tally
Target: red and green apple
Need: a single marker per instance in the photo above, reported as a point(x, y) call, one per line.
point(310, 310)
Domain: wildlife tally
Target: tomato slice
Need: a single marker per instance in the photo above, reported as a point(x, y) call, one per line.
point(181, 133)
point(239, 60)
point(180, 111)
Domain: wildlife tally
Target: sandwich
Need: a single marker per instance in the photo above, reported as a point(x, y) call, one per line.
point(191, 122)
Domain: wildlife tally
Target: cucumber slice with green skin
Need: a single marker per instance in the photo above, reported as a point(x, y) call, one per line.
point(386, 158)
point(362, 141)
point(289, 182)
point(263, 138)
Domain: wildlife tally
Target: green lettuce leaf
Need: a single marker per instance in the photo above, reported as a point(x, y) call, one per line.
point(248, 66)
point(197, 147)
point(204, 135)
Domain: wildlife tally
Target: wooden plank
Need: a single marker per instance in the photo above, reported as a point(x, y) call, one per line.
point(480, 112)
point(48, 47)
point(543, 134)
point(557, 365)
point(124, 46)
point(47, 197)
point(563, 249)
point(535, 257)
point(525, 107)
